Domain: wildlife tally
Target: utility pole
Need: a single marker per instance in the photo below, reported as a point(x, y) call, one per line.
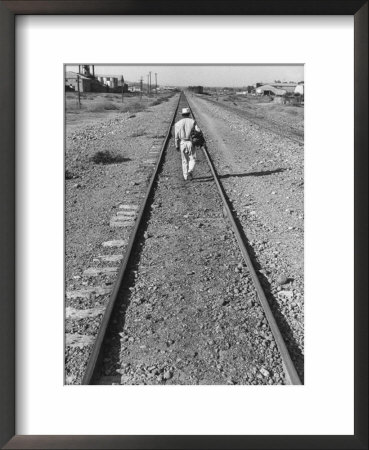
point(156, 84)
point(148, 85)
point(150, 82)
point(122, 80)
point(79, 92)
point(141, 87)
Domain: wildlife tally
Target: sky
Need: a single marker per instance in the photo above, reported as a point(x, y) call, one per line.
point(204, 75)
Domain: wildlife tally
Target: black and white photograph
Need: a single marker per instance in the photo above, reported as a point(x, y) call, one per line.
point(184, 224)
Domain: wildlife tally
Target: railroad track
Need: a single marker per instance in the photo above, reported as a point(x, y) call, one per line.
point(165, 323)
point(269, 124)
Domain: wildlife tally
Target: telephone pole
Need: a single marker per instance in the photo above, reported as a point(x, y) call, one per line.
point(150, 82)
point(122, 80)
point(79, 92)
point(156, 84)
point(141, 87)
point(148, 85)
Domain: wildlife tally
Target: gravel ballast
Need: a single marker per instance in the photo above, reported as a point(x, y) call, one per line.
point(108, 163)
point(188, 312)
point(263, 176)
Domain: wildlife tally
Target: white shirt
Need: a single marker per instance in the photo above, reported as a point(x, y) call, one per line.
point(183, 129)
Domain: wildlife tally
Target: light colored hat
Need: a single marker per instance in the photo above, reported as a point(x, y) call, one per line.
point(186, 111)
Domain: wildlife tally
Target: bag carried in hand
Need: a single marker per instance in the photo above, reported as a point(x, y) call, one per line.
point(197, 138)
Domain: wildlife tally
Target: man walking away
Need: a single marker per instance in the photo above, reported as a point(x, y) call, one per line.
point(183, 142)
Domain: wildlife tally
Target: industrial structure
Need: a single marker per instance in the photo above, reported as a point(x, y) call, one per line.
point(275, 88)
point(85, 81)
point(282, 92)
point(196, 89)
point(300, 88)
point(268, 89)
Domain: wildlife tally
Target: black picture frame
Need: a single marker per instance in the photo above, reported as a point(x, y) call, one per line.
point(8, 12)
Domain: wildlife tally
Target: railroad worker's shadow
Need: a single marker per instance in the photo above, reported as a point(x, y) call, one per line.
point(253, 174)
point(203, 179)
point(207, 179)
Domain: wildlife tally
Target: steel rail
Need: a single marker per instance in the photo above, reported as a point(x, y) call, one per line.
point(94, 355)
point(289, 368)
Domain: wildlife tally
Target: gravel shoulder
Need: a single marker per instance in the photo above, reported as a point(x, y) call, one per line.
point(263, 176)
point(291, 116)
point(285, 120)
point(93, 193)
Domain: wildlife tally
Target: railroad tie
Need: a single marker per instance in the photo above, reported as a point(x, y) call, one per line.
point(126, 212)
point(88, 291)
point(135, 207)
point(117, 243)
point(78, 340)
point(149, 162)
point(108, 258)
point(124, 218)
point(78, 314)
point(124, 222)
point(96, 271)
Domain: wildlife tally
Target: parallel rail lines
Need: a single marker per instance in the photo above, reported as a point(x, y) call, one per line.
point(290, 371)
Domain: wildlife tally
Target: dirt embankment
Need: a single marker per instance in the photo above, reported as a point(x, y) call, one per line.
point(265, 109)
point(263, 175)
point(285, 120)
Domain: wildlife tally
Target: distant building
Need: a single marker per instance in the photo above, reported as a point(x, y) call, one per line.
point(268, 89)
point(134, 89)
point(89, 83)
point(300, 89)
point(196, 89)
point(72, 79)
point(288, 87)
point(112, 82)
point(275, 88)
